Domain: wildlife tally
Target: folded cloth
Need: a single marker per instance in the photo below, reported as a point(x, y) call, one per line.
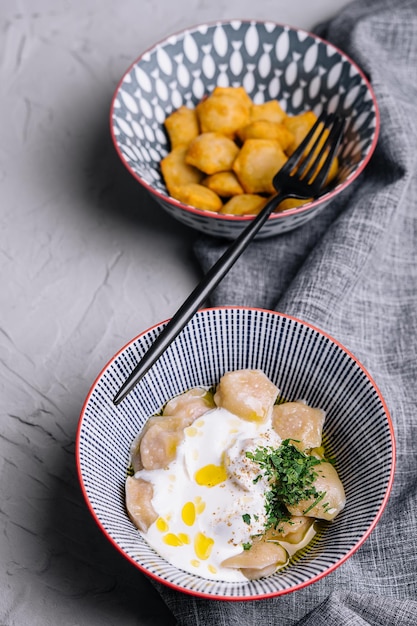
point(353, 273)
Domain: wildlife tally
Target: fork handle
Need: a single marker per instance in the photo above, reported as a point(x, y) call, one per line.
point(197, 297)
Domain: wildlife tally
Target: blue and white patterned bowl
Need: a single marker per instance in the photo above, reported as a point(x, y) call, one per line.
point(304, 363)
point(272, 61)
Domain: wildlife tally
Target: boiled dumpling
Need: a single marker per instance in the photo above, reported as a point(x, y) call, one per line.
point(138, 495)
point(190, 404)
point(156, 445)
point(293, 530)
point(246, 393)
point(262, 559)
point(333, 501)
point(300, 423)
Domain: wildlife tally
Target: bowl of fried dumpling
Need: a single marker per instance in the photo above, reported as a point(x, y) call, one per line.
point(204, 119)
point(255, 457)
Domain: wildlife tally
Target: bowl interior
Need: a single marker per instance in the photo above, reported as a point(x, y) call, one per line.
point(304, 363)
point(272, 61)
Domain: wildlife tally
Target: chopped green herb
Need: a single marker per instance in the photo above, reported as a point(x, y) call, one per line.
point(246, 546)
point(246, 518)
point(316, 501)
point(291, 475)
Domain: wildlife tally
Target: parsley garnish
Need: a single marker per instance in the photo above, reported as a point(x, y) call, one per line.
point(291, 475)
point(246, 518)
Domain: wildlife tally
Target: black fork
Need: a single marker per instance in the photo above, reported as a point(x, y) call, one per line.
point(302, 176)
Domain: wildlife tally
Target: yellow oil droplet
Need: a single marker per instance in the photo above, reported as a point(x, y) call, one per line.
point(319, 452)
point(188, 513)
point(203, 546)
point(212, 569)
point(172, 540)
point(199, 423)
point(195, 563)
point(210, 475)
point(171, 448)
point(161, 524)
point(184, 538)
point(191, 431)
point(200, 505)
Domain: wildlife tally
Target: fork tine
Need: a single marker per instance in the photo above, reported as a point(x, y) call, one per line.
point(299, 152)
point(315, 150)
point(319, 170)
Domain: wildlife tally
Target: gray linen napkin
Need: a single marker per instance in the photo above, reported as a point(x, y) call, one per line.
point(353, 273)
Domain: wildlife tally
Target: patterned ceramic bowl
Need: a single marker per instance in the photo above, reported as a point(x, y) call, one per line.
point(271, 61)
point(304, 363)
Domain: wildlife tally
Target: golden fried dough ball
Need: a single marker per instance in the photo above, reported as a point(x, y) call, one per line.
point(182, 126)
point(211, 153)
point(222, 113)
point(245, 204)
point(270, 110)
point(257, 163)
point(225, 184)
point(198, 196)
point(291, 203)
point(176, 171)
point(299, 126)
point(230, 147)
point(264, 129)
point(239, 93)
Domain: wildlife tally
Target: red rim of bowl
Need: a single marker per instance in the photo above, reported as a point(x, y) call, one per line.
point(246, 218)
point(258, 596)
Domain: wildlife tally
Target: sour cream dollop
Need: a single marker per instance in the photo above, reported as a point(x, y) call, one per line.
point(208, 501)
